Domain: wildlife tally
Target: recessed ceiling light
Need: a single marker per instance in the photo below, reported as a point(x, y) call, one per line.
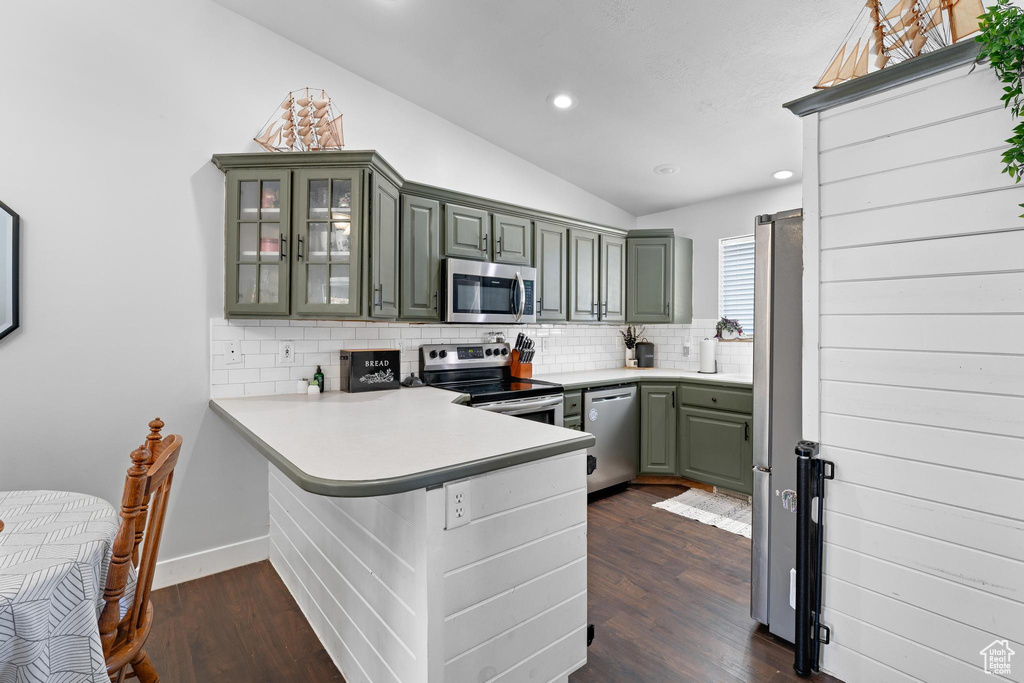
point(562, 100)
point(784, 174)
point(666, 169)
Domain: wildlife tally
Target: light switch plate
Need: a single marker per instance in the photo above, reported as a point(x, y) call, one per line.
point(232, 354)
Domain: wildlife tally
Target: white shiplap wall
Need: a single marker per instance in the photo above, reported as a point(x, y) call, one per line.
point(915, 267)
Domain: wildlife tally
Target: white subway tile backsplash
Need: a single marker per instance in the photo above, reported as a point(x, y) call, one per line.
point(561, 348)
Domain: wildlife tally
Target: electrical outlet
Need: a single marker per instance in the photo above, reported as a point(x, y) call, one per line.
point(286, 353)
point(456, 497)
point(232, 356)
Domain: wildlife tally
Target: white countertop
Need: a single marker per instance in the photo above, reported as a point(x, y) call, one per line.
point(381, 442)
point(589, 378)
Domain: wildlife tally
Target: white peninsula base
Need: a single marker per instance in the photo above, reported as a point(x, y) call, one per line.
point(395, 596)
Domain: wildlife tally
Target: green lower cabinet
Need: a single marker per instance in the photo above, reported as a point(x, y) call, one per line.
point(573, 422)
point(658, 453)
point(715, 447)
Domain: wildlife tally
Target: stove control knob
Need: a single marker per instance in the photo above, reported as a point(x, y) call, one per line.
point(504, 352)
point(443, 353)
point(487, 352)
point(433, 354)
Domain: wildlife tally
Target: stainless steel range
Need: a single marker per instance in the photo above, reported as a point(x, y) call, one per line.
point(484, 372)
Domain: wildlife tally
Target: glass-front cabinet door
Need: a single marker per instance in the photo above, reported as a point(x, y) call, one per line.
point(257, 272)
point(326, 221)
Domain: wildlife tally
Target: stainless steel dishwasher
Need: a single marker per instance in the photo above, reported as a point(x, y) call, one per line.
point(612, 416)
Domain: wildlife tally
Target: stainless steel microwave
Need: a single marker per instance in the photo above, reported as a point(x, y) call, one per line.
point(484, 292)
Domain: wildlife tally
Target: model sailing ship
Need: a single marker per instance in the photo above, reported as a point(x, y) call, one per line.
point(304, 123)
point(908, 29)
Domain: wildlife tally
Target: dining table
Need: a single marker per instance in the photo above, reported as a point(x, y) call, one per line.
point(55, 548)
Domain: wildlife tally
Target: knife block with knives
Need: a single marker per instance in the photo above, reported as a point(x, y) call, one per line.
point(522, 357)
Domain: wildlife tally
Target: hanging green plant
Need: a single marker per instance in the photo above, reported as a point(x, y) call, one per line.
point(1002, 44)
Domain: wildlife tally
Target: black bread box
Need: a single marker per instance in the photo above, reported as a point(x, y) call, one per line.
point(370, 369)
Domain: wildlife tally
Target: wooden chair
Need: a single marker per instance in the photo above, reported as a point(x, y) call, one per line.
point(147, 489)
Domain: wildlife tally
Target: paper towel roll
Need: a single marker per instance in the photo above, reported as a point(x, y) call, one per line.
point(708, 347)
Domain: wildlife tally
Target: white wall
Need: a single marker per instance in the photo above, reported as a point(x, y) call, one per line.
point(112, 111)
point(707, 222)
point(916, 268)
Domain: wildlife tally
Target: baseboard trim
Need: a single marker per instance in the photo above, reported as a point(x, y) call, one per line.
point(197, 565)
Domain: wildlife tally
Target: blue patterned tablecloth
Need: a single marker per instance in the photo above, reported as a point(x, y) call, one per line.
point(54, 553)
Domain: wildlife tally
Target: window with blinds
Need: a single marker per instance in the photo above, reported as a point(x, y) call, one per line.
point(736, 281)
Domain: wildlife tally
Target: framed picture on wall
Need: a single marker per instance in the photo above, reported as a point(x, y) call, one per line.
point(8, 270)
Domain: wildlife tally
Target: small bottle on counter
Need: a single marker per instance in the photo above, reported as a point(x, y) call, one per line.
point(313, 389)
point(302, 386)
point(318, 376)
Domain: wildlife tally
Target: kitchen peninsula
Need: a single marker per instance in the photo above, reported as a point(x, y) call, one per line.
point(423, 539)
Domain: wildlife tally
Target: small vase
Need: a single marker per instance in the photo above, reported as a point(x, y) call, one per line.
point(630, 355)
point(729, 334)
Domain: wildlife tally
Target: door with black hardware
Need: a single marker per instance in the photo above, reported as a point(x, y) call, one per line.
point(326, 247)
point(257, 236)
point(658, 453)
point(613, 279)
point(584, 296)
point(650, 280)
point(513, 240)
point(421, 258)
point(383, 248)
point(716, 447)
point(550, 257)
point(467, 232)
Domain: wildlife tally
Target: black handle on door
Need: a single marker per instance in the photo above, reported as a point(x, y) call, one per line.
point(284, 241)
point(497, 246)
point(300, 255)
point(746, 431)
point(673, 399)
point(435, 300)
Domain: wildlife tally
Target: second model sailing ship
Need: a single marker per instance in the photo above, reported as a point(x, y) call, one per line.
point(304, 122)
point(907, 29)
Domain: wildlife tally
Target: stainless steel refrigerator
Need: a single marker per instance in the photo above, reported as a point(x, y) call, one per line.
point(778, 336)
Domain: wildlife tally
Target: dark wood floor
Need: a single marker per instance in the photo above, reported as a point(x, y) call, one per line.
point(669, 598)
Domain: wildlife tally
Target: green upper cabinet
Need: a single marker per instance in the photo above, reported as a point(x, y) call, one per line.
point(658, 453)
point(327, 220)
point(513, 240)
point(716, 448)
point(257, 234)
point(466, 232)
point(550, 256)
point(384, 210)
point(613, 279)
point(420, 258)
point(659, 285)
point(584, 297)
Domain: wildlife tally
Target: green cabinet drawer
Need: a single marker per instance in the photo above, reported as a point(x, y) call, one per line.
point(715, 447)
point(572, 403)
point(574, 422)
point(718, 398)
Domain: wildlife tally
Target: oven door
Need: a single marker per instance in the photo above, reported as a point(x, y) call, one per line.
point(481, 292)
point(544, 409)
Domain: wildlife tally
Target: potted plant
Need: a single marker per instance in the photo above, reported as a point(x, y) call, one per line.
point(728, 329)
point(631, 336)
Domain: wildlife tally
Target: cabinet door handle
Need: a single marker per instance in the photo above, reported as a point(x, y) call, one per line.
point(673, 399)
point(485, 241)
point(593, 308)
point(377, 296)
point(666, 308)
point(300, 254)
point(746, 431)
point(714, 399)
point(284, 242)
point(604, 313)
point(497, 245)
point(435, 299)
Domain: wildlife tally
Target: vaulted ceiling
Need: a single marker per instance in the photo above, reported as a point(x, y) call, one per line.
point(695, 84)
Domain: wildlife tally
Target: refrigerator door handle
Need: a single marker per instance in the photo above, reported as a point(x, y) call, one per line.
point(759, 549)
